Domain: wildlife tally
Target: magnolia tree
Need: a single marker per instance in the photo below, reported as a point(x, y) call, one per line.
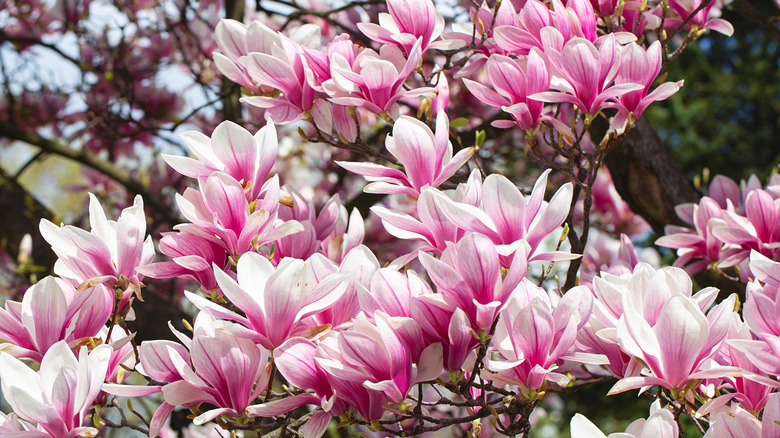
point(460, 301)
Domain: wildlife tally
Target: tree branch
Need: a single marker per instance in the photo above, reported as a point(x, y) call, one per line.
point(646, 176)
point(91, 160)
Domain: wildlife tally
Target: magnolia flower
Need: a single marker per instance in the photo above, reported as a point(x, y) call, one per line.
point(660, 424)
point(758, 229)
point(236, 40)
point(734, 422)
point(506, 216)
point(698, 247)
point(374, 80)
point(221, 213)
point(513, 83)
point(316, 226)
point(374, 357)
point(52, 311)
point(231, 149)
point(640, 66)
point(469, 275)
point(59, 395)
point(761, 313)
point(274, 300)
point(216, 368)
point(676, 344)
point(684, 8)
point(427, 158)
point(432, 227)
point(532, 335)
point(192, 257)
point(347, 234)
point(406, 22)
point(588, 73)
point(441, 322)
point(525, 33)
point(108, 254)
point(283, 69)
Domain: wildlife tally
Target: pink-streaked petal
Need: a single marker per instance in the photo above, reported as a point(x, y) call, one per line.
point(637, 382)
point(720, 25)
point(235, 147)
point(281, 406)
point(682, 331)
point(317, 425)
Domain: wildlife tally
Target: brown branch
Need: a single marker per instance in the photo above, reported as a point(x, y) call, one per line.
point(90, 160)
point(646, 176)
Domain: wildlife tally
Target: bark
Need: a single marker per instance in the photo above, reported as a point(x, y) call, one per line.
point(647, 178)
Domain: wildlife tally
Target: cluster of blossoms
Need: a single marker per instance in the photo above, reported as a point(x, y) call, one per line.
point(729, 223)
point(532, 55)
point(286, 289)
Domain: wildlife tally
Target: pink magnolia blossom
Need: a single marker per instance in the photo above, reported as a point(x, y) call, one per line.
point(733, 422)
point(406, 22)
point(216, 367)
point(698, 247)
point(296, 359)
point(12, 424)
point(316, 226)
point(611, 210)
point(59, 395)
point(469, 276)
point(192, 257)
point(367, 367)
point(525, 33)
point(52, 311)
point(762, 307)
point(233, 150)
point(427, 158)
point(770, 424)
point(236, 40)
point(374, 80)
point(358, 266)
point(283, 69)
point(675, 342)
point(373, 357)
point(649, 289)
point(513, 83)
point(432, 227)
point(703, 19)
point(761, 311)
point(108, 254)
point(533, 334)
point(758, 230)
point(598, 335)
point(506, 216)
point(443, 322)
point(640, 66)
point(274, 300)
point(725, 190)
point(588, 74)
point(391, 292)
point(751, 392)
point(221, 213)
point(660, 424)
point(467, 32)
point(604, 7)
point(310, 366)
point(535, 20)
point(605, 254)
